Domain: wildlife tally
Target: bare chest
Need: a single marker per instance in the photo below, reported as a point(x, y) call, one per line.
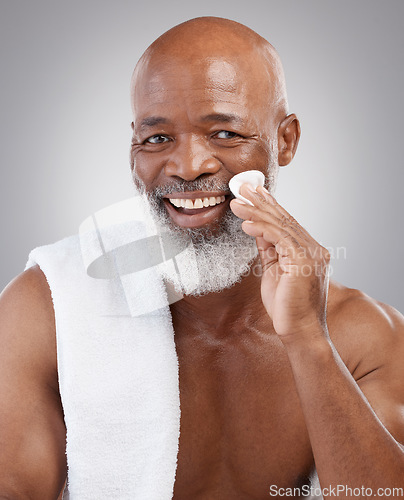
point(242, 429)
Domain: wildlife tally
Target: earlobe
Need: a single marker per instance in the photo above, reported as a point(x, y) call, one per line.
point(288, 139)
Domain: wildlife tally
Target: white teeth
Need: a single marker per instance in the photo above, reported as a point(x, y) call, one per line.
point(198, 202)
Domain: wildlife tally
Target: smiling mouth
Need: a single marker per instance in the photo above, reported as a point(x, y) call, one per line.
point(197, 203)
point(196, 209)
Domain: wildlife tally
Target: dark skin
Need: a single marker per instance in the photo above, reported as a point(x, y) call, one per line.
point(278, 371)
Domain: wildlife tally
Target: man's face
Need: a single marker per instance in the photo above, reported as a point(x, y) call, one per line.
point(198, 123)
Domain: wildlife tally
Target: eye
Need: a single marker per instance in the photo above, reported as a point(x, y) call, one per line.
point(225, 134)
point(156, 139)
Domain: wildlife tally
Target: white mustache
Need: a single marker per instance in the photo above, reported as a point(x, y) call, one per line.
point(197, 185)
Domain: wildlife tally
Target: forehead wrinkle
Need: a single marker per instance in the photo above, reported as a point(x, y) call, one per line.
point(188, 93)
point(212, 75)
point(206, 102)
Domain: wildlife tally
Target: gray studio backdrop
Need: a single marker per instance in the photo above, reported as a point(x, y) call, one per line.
point(65, 70)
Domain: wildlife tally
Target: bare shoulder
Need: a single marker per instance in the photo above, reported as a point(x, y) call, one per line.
point(367, 333)
point(29, 289)
point(27, 318)
point(32, 431)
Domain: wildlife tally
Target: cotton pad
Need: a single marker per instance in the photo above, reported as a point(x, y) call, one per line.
point(253, 177)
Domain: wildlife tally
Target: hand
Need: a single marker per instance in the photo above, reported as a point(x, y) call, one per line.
point(295, 267)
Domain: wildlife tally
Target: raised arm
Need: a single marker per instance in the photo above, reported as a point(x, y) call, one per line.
point(32, 430)
point(356, 427)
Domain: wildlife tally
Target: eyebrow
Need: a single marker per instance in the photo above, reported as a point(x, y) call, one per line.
point(222, 118)
point(152, 121)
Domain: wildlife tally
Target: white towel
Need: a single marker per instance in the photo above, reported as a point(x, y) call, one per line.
point(117, 363)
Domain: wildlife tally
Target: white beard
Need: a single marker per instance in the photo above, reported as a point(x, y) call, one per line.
point(212, 262)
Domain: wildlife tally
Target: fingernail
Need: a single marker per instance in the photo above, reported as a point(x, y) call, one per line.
point(249, 187)
point(269, 195)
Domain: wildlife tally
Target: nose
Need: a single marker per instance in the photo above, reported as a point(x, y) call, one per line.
point(191, 158)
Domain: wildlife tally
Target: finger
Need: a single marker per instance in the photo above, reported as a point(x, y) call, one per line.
point(261, 213)
point(248, 212)
point(285, 244)
point(262, 199)
point(283, 213)
point(301, 244)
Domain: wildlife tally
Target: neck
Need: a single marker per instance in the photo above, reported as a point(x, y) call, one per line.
point(215, 311)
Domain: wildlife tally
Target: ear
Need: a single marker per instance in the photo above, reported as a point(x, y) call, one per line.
point(288, 139)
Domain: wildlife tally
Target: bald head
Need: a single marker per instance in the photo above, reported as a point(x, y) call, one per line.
point(207, 41)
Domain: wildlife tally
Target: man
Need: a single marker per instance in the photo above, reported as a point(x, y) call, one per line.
point(280, 372)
